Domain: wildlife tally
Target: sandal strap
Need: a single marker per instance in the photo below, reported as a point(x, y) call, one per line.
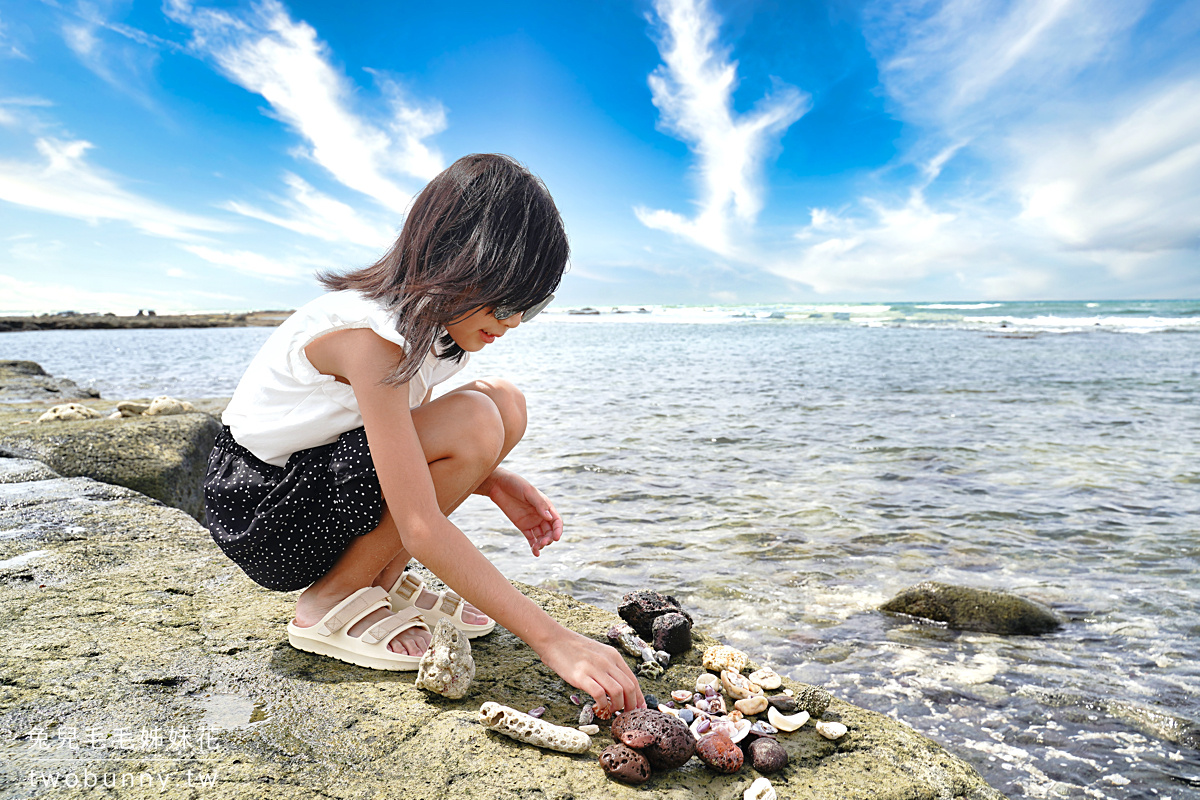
point(408, 587)
point(352, 609)
point(451, 601)
point(386, 629)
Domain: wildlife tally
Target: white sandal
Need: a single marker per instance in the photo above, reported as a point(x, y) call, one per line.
point(329, 637)
point(449, 605)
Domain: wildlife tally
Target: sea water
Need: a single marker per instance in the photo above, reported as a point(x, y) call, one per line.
point(783, 470)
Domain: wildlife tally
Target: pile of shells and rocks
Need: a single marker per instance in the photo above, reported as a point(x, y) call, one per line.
point(727, 719)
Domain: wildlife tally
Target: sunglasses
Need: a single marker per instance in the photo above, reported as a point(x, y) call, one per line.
point(504, 312)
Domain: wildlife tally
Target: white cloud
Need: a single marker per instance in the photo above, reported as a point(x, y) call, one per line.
point(291, 270)
point(1128, 183)
point(266, 52)
point(1068, 170)
point(693, 91)
point(65, 184)
point(312, 213)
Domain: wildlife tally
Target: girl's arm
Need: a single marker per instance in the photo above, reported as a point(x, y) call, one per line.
point(363, 359)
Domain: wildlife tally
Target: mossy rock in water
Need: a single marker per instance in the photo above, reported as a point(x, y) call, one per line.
point(163, 457)
point(967, 609)
point(27, 381)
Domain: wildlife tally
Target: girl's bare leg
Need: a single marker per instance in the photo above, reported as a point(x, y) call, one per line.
point(465, 435)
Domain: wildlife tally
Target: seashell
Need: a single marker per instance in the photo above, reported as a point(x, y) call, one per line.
point(792, 723)
point(760, 728)
point(734, 715)
point(602, 713)
point(590, 730)
point(788, 692)
point(752, 705)
point(720, 753)
point(667, 710)
point(724, 727)
point(716, 705)
point(761, 789)
point(624, 764)
point(719, 657)
point(711, 690)
point(700, 727)
point(831, 730)
point(767, 756)
point(702, 705)
point(737, 686)
point(587, 714)
point(766, 678)
point(538, 732)
point(681, 695)
point(575, 699)
point(447, 667)
point(662, 657)
point(537, 713)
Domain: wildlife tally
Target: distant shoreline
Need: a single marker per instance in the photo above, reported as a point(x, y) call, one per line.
point(74, 321)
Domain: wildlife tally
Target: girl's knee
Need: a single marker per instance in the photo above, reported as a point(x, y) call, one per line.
point(478, 414)
point(510, 402)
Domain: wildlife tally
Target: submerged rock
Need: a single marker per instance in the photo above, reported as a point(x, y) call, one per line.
point(967, 609)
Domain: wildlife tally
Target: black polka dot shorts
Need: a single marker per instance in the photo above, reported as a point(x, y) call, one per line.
point(287, 526)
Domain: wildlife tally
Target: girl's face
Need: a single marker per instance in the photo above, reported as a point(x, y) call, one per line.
point(472, 332)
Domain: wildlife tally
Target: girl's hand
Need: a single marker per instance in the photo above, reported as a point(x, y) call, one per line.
point(530, 510)
point(598, 669)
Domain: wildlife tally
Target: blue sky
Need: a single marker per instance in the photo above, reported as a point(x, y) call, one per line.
point(185, 156)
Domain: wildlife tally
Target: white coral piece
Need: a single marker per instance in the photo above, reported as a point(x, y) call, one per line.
point(163, 405)
point(761, 789)
point(69, 411)
point(447, 667)
point(524, 728)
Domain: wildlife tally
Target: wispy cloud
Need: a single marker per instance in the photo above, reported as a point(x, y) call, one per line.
point(285, 270)
point(1063, 165)
point(65, 184)
point(266, 52)
point(312, 213)
point(125, 63)
point(693, 91)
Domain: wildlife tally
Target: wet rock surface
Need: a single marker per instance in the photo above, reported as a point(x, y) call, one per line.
point(968, 609)
point(123, 622)
point(22, 381)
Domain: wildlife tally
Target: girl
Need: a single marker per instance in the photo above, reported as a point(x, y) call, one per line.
point(335, 466)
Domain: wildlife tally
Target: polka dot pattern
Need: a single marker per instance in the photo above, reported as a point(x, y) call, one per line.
point(287, 526)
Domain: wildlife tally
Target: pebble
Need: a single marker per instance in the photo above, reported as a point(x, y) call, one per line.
point(625, 764)
point(788, 692)
point(752, 705)
point(536, 713)
point(720, 753)
point(686, 714)
point(783, 703)
point(831, 730)
point(766, 678)
point(590, 730)
point(767, 756)
point(651, 701)
point(587, 715)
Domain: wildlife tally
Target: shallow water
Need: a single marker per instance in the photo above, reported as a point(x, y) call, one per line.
point(783, 477)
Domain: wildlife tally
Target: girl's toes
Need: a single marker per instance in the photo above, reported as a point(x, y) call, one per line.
point(411, 642)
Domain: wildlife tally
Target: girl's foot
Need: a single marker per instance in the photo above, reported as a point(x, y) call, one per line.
point(408, 592)
point(311, 609)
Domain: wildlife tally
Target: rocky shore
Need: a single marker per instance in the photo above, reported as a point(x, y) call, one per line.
point(140, 660)
point(70, 320)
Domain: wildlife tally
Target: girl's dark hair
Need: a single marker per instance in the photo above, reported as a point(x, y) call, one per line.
point(485, 232)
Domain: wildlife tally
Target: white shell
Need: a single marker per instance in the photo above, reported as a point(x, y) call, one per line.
point(792, 723)
point(706, 679)
point(788, 692)
point(682, 695)
point(761, 789)
point(766, 678)
point(590, 730)
point(736, 686)
point(524, 728)
point(831, 730)
point(667, 710)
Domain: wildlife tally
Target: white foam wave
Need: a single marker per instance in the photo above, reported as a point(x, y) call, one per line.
point(960, 306)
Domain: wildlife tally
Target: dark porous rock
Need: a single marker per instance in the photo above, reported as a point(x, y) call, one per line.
point(812, 699)
point(26, 380)
point(640, 608)
point(163, 457)
point(720, 753)
point(669, 745)
point(967, 609)
point(672, 632)
point(784, 704)
point(625, 764)
point(767, 755)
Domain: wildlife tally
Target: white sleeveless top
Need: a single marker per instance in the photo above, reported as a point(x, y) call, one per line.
point(283, 404)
